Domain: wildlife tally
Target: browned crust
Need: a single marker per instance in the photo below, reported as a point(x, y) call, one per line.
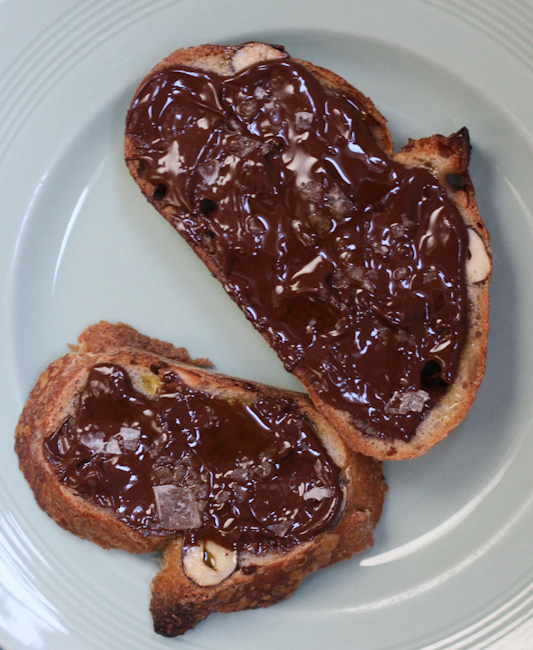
point(106, 336)
point(54, 398)
point(178, 605)
point(442, 156)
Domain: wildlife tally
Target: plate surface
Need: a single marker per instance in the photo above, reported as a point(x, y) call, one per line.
point(452, 565)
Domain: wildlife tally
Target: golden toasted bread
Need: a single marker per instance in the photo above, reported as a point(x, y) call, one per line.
point(366, 270)
point(211, 465)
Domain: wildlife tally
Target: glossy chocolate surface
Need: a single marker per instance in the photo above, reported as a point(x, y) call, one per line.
point(350, 264)
point(245, 475)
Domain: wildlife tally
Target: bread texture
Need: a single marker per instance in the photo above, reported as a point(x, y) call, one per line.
point(182, 595)
point(446, 157)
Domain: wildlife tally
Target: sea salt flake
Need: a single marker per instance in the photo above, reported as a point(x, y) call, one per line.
point(94, 441)
point(356, 273)
point(130, 437)
point(311, 191)
point(408, 401)
point(280, 529)
point(248, 109)
point(112, 447)
point(239, 474)
point(176, 508)
point(209, 171)
point(303, 120)
point(339, 204)
point(260, 93)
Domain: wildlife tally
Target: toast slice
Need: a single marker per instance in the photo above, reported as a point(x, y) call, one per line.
point(366, 270)
point(129, 443)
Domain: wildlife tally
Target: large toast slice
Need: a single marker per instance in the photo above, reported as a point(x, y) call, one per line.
point(127, 442)
point(367, 271)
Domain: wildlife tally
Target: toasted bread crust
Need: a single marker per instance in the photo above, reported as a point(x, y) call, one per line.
point(178, 603)
point(445, 157)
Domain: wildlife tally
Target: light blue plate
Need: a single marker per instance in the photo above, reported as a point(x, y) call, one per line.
point(452, 565)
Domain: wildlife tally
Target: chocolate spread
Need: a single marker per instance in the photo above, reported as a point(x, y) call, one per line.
point(351, 265)
point(243, 474)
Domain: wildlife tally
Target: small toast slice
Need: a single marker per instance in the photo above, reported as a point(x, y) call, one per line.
point(379, 307)
point(227, 539)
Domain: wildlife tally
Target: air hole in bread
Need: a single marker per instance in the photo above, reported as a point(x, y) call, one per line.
point(430, 375)
point(457, 181)
point(207, 206)
point(154, 369)
point(159, 192)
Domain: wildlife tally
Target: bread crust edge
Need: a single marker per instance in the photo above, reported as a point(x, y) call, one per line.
point(443, 156)
point(177, 602)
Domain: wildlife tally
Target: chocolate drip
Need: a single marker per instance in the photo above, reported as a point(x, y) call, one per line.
point(350, 264)
point(243, 474)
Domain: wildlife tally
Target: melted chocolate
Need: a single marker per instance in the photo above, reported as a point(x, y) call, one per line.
point(243, 474)
point(350, 264)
